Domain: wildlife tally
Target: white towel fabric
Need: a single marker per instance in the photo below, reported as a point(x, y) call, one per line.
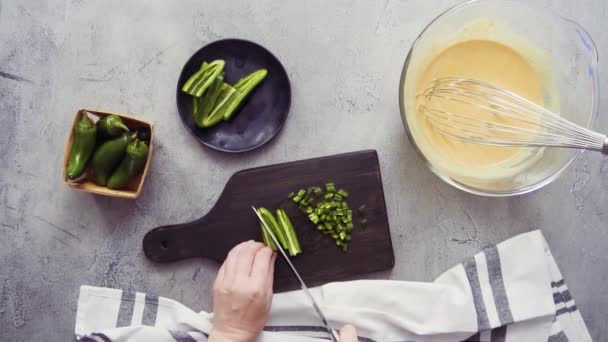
point(509, 292)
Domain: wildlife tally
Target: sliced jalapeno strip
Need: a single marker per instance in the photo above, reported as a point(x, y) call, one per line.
point(292, 237)
point(272, 223)
point(198, 83)
point(267, 239)
point(223, 100)
point(244, 88)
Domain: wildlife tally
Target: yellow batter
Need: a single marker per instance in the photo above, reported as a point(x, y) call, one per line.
point(487, 61)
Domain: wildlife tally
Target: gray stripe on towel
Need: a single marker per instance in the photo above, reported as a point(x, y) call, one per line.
point(498, 286)
point(103, 337)
point(125, 312)
point(562, 297)
point(566, 296)
point(499, 334)
point(559, 337)
point(565, 310)
point(150, 310)
point(181, 336)
point(307, 328)
point(557, 283)
point(557, 298)
point(470, 267)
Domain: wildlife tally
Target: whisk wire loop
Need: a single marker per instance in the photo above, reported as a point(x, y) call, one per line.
point(503, 118)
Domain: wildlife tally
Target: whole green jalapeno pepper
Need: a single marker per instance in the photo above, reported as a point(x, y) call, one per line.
point(130, 166)
point(107, 156)
point(82, 147)
point(111, 126)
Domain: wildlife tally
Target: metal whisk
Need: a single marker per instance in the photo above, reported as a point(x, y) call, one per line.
point(487, 115)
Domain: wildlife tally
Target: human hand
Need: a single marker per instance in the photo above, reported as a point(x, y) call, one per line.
point(348, 333)
point(242, 293)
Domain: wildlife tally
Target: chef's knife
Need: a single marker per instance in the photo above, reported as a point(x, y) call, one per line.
point(333, 333)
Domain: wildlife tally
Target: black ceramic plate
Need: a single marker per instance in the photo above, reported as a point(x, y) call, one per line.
point(260, 117)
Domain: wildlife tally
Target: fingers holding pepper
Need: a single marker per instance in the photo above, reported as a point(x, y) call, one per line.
point(242, 293)
point(247, 256)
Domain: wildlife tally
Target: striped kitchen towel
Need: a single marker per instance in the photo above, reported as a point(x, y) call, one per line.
point(509, 292)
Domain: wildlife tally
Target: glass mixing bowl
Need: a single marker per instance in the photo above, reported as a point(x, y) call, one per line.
point(566, 56)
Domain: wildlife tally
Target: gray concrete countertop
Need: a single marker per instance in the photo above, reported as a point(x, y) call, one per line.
point(344, 59)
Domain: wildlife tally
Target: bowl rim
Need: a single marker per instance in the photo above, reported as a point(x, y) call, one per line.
point(502, 193)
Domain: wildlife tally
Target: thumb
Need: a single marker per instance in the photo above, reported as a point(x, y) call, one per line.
point(348, 334)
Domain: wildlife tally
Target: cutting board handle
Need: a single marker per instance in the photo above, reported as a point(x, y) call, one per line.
point(170, 243)
point(211, 236)
point(181, 241)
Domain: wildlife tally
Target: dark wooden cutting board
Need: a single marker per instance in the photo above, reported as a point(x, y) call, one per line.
point(232, 220)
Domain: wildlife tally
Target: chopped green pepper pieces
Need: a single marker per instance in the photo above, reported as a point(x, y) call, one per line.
point(328, 210)
point(361, 210)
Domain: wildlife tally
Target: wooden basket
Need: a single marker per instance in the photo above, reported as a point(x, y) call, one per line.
point(133, 189)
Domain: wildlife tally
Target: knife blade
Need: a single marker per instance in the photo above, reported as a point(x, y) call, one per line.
point(333, 333)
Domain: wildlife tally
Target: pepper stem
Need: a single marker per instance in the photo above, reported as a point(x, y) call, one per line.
point(122, 126)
